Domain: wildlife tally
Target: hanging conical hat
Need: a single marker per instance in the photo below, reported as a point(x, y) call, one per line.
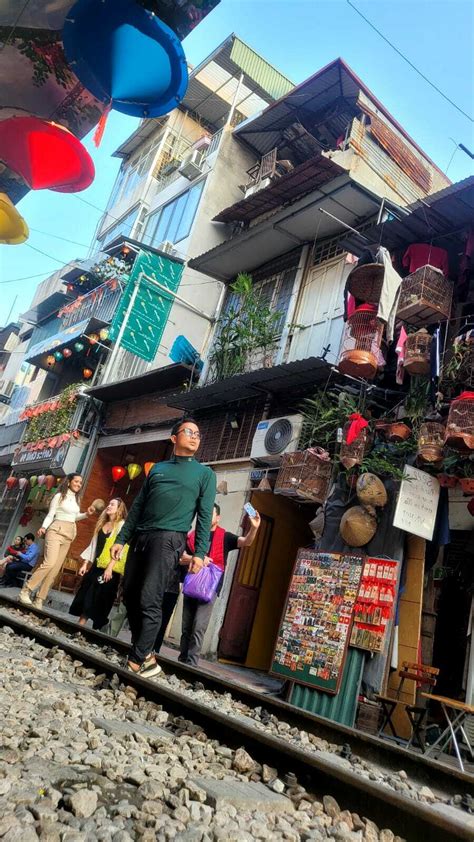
point(13, 228)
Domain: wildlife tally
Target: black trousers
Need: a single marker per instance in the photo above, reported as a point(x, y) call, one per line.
point(13, 570)
point(167, 608)
point(151, 566)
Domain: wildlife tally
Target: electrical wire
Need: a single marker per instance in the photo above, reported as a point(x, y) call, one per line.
point(57, 237)
point(410, 63)
point(13, 29)
point(25, 278)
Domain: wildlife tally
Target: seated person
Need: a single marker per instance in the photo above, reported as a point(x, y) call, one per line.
point(12, 551)
point(24, 561)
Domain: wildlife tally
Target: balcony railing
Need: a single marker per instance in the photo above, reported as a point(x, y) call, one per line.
point(100, 304)
point(59, 415)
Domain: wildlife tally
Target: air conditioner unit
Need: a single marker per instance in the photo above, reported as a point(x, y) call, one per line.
point(167, 247)
point(191, 167)
point(274, 437)
point(251, 189)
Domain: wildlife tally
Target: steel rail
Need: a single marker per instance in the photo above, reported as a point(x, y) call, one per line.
point(411, 819)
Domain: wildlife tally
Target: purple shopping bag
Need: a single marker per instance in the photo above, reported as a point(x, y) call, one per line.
point(203, 585)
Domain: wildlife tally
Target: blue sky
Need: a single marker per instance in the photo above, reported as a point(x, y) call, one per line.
point(298, 37)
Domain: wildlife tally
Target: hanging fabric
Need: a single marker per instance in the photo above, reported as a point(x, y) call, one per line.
point(389, 296)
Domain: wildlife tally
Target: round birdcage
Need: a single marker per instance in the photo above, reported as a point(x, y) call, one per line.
point(361, 346)
point(460, 425)
point(305, 474)
point(431, 442)
point(418, 353)
point(353, 454)
point(425, 297)
point(365, 282)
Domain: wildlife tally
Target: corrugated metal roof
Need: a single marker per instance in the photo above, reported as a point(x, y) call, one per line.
point(295, 184)
point(255, 67)
point(342, 707)
point(440, 218)
point(157, 380)
point(332, 82)
point(280, 379)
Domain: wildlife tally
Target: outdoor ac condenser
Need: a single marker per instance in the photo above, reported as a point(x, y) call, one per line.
point(276, 436)
point(167, 247)
point(191, 167)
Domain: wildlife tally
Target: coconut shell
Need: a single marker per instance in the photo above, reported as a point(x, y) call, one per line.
point(98, 505)
point(357, 527)
point(371, 491)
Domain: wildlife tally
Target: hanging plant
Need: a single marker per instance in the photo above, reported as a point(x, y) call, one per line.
point(51, 418)
point(323, 414)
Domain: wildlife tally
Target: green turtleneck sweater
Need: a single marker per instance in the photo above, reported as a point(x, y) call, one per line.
point(172, 494)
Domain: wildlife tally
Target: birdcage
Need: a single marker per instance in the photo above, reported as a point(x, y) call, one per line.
point(425, 297)
point(365, 282)
point(361, 346)
point(353, 454)
point(305, 474)
point(431, 442)
point(418, 353)
point(460, 425)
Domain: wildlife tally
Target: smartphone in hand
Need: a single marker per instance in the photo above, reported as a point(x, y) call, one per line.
point(249, 509)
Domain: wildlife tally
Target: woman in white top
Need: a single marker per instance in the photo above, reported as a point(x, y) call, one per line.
point(59, 529)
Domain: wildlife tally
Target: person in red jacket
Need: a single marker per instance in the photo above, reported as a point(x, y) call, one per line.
point(196, 615)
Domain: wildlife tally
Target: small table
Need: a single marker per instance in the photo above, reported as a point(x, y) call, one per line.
point(455, 713)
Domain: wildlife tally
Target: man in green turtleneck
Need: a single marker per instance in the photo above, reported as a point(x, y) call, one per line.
point(156, 529)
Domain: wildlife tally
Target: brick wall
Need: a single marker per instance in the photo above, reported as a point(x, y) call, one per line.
point(148, 409)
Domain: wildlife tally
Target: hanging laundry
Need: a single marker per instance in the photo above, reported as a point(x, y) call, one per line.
point(424, 254)
point(400, 352)
point(388, 303)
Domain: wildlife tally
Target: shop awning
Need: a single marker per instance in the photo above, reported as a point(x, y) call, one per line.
point(61, 339)
point(302, 222)
point(441, 218)
point(289, 380)
point(160, 379)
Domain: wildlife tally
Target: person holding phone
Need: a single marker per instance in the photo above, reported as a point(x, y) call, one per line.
point(100, 573)
point(196, 614)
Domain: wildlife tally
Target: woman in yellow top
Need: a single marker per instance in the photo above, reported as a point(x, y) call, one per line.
point(101, 574)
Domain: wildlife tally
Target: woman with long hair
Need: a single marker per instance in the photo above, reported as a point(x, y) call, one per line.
point(59, 529)
point(101, 574)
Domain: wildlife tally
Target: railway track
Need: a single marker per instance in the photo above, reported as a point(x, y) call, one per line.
point(319, 772)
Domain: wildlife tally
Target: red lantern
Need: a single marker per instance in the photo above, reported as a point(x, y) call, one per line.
point(118, 473)
point(87, 373)
point(11, 482)
point(45, 154)
point(67, 353)
point(50, 481)
point(147, 467)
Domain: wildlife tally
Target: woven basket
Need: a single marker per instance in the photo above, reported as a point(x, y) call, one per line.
point(305, 474)
point(425, 297)
point(365, 282)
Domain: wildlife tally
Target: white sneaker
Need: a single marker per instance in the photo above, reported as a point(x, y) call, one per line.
point(25, 597)
point(38, 602)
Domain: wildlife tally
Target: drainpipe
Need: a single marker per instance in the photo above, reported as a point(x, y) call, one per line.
point(210, 336)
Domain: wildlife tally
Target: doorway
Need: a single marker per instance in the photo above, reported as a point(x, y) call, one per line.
point(261, 581)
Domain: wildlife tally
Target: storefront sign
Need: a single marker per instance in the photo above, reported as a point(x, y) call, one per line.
point(312, 641)
point(149, 314)
point(417, 503)
point(64, 457)
point(375, 603)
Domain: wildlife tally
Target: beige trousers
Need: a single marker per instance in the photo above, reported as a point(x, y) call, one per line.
point(59, 538)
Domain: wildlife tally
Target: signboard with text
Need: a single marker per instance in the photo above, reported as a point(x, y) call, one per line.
point(417, 503)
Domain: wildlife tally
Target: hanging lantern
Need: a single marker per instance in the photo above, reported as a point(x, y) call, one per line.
point(50, 360)
point(22, 483)
point(58, 356)
point(93, 338)
point(104, 334)
point(78, 346)
point(50, 482)
point(361, 343)
point(13, 228)
point(460, 425)
point(134, 470)
point(33, 481)
point(11, 482)
point(118, 473)
point(67, 353)
point(147, 467)
point(126, 56)
point(46, 155)
point(41, 479)
point(87, 373)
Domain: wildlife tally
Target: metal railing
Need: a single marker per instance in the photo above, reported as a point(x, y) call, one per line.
point(80, 417)
point(101, 304)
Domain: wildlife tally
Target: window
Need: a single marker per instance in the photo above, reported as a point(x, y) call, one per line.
point(173, 221)
point(123, 226)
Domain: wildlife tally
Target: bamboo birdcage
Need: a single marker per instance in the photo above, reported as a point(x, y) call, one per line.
point(418, 353)
point(353, 454)
point(365, 282)
point(305, 474)
point(460, 425)
point(425, 297)
point(361, 346)
point(431, 442)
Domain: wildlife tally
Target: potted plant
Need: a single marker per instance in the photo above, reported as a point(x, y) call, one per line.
point(466, 479)
point(447, 478)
